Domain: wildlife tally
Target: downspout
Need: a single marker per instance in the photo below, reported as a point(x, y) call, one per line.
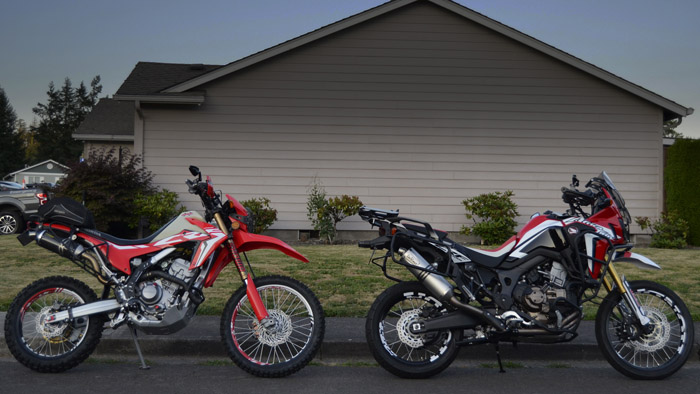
point(138, 130)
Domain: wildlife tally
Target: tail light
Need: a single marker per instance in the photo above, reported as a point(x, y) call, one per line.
point(42, 197)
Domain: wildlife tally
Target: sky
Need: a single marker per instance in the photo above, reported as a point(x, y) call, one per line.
point(652, 43)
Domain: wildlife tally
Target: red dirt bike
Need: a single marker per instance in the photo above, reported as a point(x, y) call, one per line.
point(531, 289)
point(272, 326)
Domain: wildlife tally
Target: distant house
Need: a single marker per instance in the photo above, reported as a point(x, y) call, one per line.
point(414, 104)
point(48, 171)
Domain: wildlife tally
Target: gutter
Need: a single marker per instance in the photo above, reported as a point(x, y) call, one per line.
point(103, 137)
point(162, 99)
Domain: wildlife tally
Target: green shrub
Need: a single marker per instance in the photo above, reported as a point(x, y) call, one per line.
point(668, 232)
point(337, 209)
point(682, 182)
point(326, 213)
point(158, 208)
point(263, 214)
point(315, 204)
point(496, 214)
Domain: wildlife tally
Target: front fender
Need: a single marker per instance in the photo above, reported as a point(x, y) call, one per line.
point(637, 260)
point(246, 241)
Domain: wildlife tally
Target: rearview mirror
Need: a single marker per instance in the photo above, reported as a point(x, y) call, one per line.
point(195, 171)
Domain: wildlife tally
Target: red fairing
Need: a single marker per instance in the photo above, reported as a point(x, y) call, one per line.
point(534, 222)
point(609, 217)
point(240, 209)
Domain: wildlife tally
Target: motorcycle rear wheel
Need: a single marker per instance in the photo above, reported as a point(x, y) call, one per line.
point(51, 347)
point(394, 346)
point(655, 355)
point(283, 349)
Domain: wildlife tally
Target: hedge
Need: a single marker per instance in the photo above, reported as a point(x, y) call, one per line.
point(682, 182)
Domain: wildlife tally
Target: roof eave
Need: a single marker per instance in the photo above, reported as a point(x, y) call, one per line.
point(162, 98)
point(103, 137)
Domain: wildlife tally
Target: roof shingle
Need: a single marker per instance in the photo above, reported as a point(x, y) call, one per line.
point(151, 78)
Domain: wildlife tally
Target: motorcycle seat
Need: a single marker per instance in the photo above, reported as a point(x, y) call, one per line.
point(489, 258)
point(120, 241)
point(126, 242)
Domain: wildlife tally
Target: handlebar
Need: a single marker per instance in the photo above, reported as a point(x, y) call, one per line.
point(584, 198)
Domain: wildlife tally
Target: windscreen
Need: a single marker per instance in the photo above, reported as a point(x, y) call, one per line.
point(619, 201)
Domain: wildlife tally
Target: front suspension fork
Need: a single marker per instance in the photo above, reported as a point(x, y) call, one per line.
point(627, 294)
point(251, 291)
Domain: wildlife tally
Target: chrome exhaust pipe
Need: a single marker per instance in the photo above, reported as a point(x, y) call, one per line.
point(438, 286)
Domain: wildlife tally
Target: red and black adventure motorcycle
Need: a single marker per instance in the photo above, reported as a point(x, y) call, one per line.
point(272, 326)
point(531, 289)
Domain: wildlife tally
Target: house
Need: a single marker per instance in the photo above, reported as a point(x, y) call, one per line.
point(110, 125)
point(412, 105)
point(48, 171)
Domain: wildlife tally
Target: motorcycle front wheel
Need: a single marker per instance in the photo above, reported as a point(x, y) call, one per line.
point(394, 346)
point(654, 353)
point(284, 348)
point(51, 347)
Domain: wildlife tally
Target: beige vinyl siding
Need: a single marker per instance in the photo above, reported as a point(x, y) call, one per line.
point(417, 110)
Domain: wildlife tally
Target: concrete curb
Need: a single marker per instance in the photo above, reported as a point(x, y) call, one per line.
point(344, 340)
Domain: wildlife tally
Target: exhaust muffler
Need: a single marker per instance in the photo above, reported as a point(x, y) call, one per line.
point(63, 247)
point(436, 284)
point(439, 287)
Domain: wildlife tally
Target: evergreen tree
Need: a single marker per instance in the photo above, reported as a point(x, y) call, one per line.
point(60, 117)
point(11, 151)
point(29, 144)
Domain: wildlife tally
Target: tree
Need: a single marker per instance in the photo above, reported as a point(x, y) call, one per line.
point(670, 129)
point(11, 152)
point(109, 186)
point(29, 144)
point(60, 117)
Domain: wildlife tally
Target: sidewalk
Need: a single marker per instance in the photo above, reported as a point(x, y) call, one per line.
point(344, 340)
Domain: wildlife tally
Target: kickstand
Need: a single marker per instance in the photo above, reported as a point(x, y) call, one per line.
point(132, 330)
point(498, 357)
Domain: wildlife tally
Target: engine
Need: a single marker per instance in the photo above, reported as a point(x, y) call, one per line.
point(160, 294)
point(542, 294)
point(164, 306)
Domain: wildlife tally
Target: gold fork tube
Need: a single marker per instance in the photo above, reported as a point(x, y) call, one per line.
point(616, 278)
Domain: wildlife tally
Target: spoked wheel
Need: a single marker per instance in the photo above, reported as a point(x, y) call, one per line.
point(289, 344)
point(394, 346)
point(652, 353)
point(51, 347)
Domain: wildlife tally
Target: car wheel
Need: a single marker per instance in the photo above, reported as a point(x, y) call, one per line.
point(10, 222)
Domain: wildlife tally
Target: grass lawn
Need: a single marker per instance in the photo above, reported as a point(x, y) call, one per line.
point(339, 275)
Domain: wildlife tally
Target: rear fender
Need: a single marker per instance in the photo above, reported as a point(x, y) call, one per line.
point(637, 260)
